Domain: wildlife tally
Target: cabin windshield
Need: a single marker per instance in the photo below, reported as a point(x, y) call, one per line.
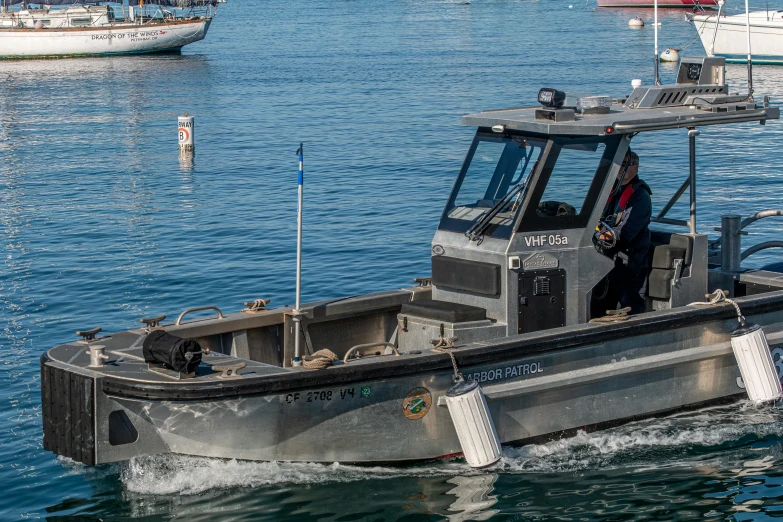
point(566, 190)
point(493, 178)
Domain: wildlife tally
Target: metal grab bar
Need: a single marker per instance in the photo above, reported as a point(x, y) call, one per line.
point(669, 221)
point(198, 308)
point(760, 215)
point(369, 345)
point(761, 246)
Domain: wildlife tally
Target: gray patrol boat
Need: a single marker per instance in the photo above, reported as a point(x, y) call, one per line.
point(514, 269)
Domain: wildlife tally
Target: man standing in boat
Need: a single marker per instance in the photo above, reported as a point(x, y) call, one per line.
point(628, 213)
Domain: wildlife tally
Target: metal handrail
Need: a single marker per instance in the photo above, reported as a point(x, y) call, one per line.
point(693, 120)
point(731, 230)
point(760, 215)
point(198, 308)
point(369, 345)
point(766, 244)
point(669, 221)
point(761, 246)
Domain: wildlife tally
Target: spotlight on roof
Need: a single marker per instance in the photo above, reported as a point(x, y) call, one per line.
point(551, 98)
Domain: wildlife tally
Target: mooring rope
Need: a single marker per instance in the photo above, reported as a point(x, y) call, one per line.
point(446, 345)
point(256, 306)
point(613, 316)
point(717, 297)
point(319, 360)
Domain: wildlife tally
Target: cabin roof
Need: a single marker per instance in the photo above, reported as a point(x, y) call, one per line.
point(624, 120)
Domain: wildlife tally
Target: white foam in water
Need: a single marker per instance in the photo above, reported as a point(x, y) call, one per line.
point(638, 444)
point(641, 443)
point(167, 474)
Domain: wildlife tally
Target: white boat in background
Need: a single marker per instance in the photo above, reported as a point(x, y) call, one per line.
point(730, 37)
point(84, 29)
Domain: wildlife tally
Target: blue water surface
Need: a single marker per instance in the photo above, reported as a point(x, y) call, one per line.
point(101, 224)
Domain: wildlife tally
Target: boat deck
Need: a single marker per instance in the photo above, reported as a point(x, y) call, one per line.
point(126, 374)
point(126, 361)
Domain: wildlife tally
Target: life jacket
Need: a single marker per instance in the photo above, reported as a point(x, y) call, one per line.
point(626, 195)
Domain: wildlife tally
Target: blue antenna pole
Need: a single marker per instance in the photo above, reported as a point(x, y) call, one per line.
point(297, 312)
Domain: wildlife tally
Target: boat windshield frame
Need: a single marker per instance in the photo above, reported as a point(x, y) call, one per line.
point(500, 183)
point(534, 176)
point(532, 218)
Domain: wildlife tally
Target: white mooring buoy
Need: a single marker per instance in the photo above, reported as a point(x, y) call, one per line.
point(755, 362)
point(635, 22)
point(186, 130)
point(670, 55)
point(473, 423)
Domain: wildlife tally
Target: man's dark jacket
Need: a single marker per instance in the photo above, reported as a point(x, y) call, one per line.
point(632, 230)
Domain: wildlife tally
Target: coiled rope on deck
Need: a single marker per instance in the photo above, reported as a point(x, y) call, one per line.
point(319, 360)
point(613, 316)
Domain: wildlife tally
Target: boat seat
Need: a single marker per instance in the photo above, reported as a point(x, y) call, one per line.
point(444, 311)
point(667, 249)
point(661, 238)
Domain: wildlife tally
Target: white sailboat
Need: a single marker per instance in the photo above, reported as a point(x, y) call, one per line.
point(73, 27)
point(727, 36)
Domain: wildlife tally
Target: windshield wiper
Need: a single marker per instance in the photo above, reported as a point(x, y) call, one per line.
point(479, 227)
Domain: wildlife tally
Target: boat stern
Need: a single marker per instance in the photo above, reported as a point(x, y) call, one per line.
point(84, 424)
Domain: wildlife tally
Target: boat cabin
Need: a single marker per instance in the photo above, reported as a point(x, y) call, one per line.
point(514, 251)
point(61, 17)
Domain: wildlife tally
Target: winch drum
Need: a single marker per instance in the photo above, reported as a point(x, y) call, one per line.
point(473, 423)
point(755, 363)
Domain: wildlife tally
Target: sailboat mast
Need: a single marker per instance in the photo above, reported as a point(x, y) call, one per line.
point(750, 61)
point(657, 57)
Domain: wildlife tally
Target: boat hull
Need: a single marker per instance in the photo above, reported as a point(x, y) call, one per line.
point(766, 37)
point(118, 39)
point(536, 385)
point(662, 3)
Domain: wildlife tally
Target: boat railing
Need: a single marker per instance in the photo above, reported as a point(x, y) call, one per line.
point(197, 309)
point(730, 242)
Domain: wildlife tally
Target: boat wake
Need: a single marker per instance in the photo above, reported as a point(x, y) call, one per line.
point(167, 474)
point(689, 439)
point(685, 439)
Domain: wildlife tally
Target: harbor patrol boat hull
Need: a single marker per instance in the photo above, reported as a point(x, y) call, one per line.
point(536, 385)
point(515, 276)
point(131, 39)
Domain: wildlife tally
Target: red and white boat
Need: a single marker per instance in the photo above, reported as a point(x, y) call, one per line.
point(661, 3)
